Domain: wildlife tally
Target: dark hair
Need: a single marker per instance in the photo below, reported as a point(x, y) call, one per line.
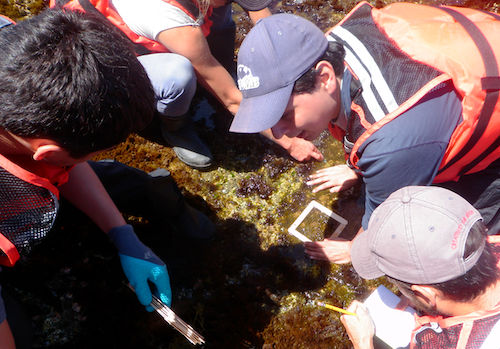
point(334, 55)
point(477, 280)
point(73, 78)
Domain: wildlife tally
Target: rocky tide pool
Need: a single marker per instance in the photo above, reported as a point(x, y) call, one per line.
point(254, 287)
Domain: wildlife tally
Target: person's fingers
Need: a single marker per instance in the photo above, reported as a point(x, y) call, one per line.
point(316, 154)
point(315, 180)
point(335, 189)
point(143, 292)
point(326, 185)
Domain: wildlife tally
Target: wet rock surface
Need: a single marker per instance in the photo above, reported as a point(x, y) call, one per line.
point(253, 287)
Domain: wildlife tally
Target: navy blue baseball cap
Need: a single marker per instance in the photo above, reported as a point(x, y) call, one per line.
point(276, 52)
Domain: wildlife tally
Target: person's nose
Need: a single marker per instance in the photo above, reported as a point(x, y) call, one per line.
point(279, 130)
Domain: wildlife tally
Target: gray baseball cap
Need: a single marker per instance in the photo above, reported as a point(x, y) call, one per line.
point(276, 52)
point(418, 236)
point(5, 21)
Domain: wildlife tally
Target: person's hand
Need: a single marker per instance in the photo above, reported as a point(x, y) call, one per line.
point(302, 150)
point(360, 329)
point(141, 265)
point(334, 250)
point(336, 178)
point(403, 303)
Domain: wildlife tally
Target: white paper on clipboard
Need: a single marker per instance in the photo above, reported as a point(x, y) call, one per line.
point(314, 204)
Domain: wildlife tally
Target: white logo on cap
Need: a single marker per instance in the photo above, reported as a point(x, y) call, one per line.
point(247, 80)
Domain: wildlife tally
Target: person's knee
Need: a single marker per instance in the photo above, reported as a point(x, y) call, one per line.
point(179, 70)
point(169, 71)
point(173, 80)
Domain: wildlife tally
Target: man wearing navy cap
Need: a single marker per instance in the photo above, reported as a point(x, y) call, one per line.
point(376, 82)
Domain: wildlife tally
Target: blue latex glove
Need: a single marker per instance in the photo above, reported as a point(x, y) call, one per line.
point(140, 264)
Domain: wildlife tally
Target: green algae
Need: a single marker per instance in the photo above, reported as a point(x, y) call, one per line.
point(19, 10)
point(255, 182)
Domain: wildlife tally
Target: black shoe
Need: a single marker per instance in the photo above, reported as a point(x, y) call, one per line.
point(189, 148)
point(193, 225)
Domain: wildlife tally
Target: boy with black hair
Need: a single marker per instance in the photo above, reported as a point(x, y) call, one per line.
point(70, 88)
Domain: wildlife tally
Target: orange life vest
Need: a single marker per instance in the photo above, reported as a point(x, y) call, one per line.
point(110, 13)
point(414, 48)
point(29, 207)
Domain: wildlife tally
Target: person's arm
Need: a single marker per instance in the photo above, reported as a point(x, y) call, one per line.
point(6, 337)
point(359, 328)
point(190, 42)
point(86, 192)
point(256, 15)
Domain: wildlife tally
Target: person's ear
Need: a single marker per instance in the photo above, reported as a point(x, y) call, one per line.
point(327, 75)
point(46, 151)
point(426, 294)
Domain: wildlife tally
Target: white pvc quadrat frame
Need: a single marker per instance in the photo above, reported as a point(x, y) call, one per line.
point(314, 204)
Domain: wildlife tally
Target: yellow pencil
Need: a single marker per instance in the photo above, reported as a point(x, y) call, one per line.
point(336, 309)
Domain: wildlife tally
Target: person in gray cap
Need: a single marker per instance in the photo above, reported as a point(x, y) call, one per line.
point(432, 244)
point(380, 89)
